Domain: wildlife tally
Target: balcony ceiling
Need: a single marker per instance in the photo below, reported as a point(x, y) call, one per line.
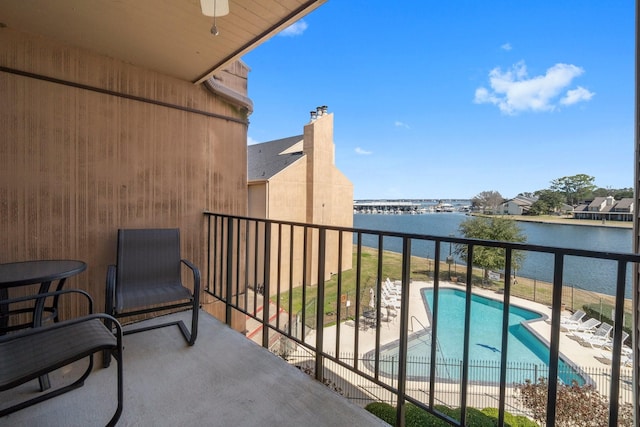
point(168, 36)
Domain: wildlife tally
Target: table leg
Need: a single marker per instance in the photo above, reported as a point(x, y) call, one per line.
point(38, 309)
point(4, 311)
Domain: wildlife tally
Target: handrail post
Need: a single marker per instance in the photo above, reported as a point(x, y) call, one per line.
point(554, 347)
point(467, 328)
point(618, 321)
point(208, 283)
point(320, 304)
point(434, 325)
point(404, 324)
point(505, 336)
point(266, 289)
point(229, 282)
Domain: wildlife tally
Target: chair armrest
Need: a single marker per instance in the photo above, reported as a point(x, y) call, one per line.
point(196, 275)
point(50, 294)
point(63, 324)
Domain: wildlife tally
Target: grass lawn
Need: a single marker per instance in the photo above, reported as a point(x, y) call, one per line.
point(421, 270)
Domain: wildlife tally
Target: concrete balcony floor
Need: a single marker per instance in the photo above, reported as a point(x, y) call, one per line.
point(223, 380)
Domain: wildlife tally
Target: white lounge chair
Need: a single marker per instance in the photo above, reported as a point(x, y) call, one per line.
point(607, 358)
point(574, 319)
point(608, 344)
point(587, 325)
point(597, 338)
point(390, 302)
point(391, 288)
point(386, 292)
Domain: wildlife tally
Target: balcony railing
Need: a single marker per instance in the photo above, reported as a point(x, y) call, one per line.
point(310, 289)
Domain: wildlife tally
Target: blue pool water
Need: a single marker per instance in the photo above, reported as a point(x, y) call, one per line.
point(527, 356)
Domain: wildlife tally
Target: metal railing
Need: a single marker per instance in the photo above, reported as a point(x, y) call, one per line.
point(268, 270)
point(484, 394)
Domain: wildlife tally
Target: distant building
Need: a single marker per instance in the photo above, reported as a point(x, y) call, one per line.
point(295, 179)
point(606, 208)
point(519, 205)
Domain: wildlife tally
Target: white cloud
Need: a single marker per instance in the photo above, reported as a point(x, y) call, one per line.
point(251, 141)
point(295, 29)
point(400, 124)
point(362, 152)
point(513, 91)
point(506, 46)
point(576, 95)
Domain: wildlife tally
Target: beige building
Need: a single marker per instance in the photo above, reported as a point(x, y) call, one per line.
point(295, 179)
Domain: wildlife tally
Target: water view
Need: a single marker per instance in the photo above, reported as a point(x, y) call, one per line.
point(593, 275)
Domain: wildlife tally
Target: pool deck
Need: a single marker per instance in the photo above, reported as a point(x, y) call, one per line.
point(572, 350)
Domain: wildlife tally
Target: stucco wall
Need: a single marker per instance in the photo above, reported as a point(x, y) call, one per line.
point(329, 193)
point(311, 190)
point(77, 163)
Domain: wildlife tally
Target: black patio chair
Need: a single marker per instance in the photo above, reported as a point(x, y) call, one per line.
point(148, 279)
point(31, 353)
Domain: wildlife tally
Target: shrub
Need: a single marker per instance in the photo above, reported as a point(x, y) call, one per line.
point(418, 417)
point(414, 416)
point(384, 411)
point(575, 404)
point(510, 419)
point(475, 417)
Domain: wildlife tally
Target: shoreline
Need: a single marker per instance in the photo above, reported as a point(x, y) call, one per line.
point(562, 220)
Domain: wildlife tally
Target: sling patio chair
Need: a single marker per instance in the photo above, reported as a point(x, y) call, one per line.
point(31, 353)
point(148, 279)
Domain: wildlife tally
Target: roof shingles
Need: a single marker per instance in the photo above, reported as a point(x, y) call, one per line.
point(268, 158)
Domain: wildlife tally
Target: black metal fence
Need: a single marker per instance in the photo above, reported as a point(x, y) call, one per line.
point(269, 270)
point(484, 394)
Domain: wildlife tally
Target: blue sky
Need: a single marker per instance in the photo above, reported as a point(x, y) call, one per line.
point(446, 99)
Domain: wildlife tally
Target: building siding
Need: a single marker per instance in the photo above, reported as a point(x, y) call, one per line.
point(76, 164)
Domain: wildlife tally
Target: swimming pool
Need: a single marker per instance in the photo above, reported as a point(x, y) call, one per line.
point(527, 355)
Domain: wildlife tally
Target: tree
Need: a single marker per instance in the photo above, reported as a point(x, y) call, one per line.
point(527, 194)
point(539, 207)
point(623, 193)
point(488, 201)
point(575, 187)
point(617, 193)
point(490, 258)
point(548, 202)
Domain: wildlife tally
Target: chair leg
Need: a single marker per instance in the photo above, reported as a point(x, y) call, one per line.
point(190, 337)
point(118, 413)
point(106, 354)
point(194, 322)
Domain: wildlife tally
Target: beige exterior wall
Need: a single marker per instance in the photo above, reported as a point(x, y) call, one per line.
point(314, 191)
point(329, 195)
point(77, 163)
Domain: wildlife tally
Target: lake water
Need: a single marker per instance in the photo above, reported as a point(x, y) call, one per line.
point(589, 274)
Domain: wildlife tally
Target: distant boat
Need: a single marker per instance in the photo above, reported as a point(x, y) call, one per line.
point(444, 207)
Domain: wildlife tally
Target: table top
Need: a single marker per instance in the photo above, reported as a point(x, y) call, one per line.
point(32, 272)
